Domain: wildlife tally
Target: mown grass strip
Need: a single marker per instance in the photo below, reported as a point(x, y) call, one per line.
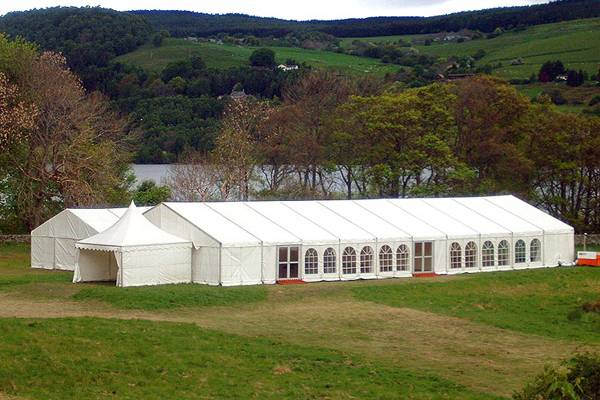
point(542, 302)
point(171, 296)
point(99, 358)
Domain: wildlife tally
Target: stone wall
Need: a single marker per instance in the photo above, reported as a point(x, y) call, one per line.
point(592, 238)
point(15, 239)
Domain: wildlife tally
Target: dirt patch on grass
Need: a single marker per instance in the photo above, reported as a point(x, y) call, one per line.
point(478, 356)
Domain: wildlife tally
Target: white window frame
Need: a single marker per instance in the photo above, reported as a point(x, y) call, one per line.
point(329, 261)
point(349, 261)
point(455, 256)
point(386, 259)
point(503, 253)
point(487, 254)
point(520, 256)
point(366, 260)
point(402, 258)
point(311, 262)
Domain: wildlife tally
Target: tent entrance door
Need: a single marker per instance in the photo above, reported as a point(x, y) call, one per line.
point(288, 262)
point(423, 259)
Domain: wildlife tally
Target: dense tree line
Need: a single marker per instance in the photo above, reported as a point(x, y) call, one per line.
point(88, 37)
point(180, 109)
point(332, 137)
point(186, 23)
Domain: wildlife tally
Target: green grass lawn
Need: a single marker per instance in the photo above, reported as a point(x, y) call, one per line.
point(170, 296)
point(226, 56)
point(16, 276)
point(98, 358)
point(543, 302)
point(575, 43)
point(474, 336)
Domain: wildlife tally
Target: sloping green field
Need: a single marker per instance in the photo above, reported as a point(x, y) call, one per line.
point(575, 43)
point(226, 56)
point(475, 336)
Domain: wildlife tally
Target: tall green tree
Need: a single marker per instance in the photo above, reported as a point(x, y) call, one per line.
point(69, 155)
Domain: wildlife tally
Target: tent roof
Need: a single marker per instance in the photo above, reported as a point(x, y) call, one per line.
point(502, 217)
point(529, 213)
point(214, 224)
point(468, 217)
point(328, 221)
point(441, 221)
point(406, 221)
point(361, 216)
point(131, 230)
point(253, 222)
point(290, 220)
point(334, 223)
point(120, 211)
point(76, 223)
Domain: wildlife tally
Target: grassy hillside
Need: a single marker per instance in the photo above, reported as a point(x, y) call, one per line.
point(225, 56)
point(575, 43)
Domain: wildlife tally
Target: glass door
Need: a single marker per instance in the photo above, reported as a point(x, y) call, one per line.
point(288, 262)
point(423, 260)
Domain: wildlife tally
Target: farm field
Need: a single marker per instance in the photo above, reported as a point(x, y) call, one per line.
point(227, 56)
point(477, 336)
point(575, 43)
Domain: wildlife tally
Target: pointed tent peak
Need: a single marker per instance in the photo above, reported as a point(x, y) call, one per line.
point(132, 229)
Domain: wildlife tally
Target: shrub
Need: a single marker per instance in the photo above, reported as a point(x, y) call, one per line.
point(575, 379)
point(263, 58)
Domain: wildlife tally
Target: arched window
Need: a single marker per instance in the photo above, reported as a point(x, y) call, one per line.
point(520, 256)
point(349, 261)
point(471, 255)
point(329, 261)
point(366, 260)
point(487, 254)
point(402, 258)
point(503, 253)
point(311, 262)
point(386, 259)
point(455, 256)
point(534, 250)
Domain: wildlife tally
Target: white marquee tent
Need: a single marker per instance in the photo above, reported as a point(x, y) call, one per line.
point(240, 243)
point(53, 242)
point(133, 252)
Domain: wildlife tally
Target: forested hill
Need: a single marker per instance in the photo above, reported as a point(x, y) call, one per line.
point(90, 37)
point(186, 23)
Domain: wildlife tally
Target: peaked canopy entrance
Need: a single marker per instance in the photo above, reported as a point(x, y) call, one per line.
point(133, 252)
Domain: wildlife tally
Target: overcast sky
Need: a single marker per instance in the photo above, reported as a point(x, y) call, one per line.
point(288, 9)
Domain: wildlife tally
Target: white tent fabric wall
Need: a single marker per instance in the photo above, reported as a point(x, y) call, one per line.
point(234, 255)
point(53, 242)
point(558, 244)
point(134, 252)
point(521, 230)
point(311, 236)
point(240, 243)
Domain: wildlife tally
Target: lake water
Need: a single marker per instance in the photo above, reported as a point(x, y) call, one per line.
point(150, 172)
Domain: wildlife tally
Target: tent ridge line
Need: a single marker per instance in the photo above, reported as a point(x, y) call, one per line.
point(519, 217)
point(245, 203)
point(190, 222)
point(416, 217)
point(346, 219)
point(381, 218)
point(482, 215)
point(236, 224)
point(452, 218)
point(311, 221)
